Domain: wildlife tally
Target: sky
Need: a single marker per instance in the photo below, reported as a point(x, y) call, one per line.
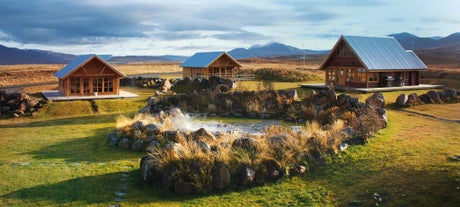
point(183, 27)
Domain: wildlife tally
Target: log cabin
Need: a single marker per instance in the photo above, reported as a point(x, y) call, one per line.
point(89, 75)
point(206, 64)
point(369, 62)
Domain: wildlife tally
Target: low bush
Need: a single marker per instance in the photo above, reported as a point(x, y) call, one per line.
point(200, 161)
point(270, 74)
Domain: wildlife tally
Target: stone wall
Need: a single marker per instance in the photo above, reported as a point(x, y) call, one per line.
point(18, 104)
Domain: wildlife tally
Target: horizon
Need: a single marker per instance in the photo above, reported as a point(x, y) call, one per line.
point(154, 28)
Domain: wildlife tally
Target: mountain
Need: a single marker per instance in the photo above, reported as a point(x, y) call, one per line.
point(9, 56)
point(271, 49)
point(413, 42)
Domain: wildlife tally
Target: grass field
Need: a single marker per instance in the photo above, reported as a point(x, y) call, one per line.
point(61, 159)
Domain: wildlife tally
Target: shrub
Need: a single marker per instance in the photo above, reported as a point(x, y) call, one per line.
point(283, 75)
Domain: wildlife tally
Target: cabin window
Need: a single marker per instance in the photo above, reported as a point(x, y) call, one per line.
point(331, 75)
point(108, 84)
point(374, 77)
point(361, 74)
point(350, 74)
point(75, 85)
point(97, 85)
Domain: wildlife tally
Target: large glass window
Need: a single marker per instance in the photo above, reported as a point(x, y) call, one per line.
point(97, 85)
point(331, 75)
point(75, 85)
point(374, 77)
point(350, 74)
point(108, 84)
point(361, 74)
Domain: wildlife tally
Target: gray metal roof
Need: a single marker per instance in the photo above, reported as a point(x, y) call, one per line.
point(79, 61)
point(204, 59)
point(383, 53)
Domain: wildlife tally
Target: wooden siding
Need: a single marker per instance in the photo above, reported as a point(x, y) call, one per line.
point(344, 69)
point(93, 78)
point(223, 67)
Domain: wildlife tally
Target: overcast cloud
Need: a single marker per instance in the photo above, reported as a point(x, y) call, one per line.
point(181, 27)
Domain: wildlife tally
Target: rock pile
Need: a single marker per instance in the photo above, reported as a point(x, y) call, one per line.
point(188, 162)
point(163, 86)
point(18, 104)
point(261, 104)
point(447, 96)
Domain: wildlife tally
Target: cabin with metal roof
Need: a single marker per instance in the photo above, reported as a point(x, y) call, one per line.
point(89, 75)
point(369, 62)
point(206, 64)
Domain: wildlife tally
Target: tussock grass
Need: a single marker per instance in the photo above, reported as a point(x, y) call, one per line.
point(406, 164)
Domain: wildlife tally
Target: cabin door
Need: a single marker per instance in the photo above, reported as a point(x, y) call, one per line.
point(341, 77)
point(86, 87)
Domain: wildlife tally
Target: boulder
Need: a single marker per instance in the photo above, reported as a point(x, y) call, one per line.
point(205, 147)
point(203, 135)
point(221, 176)
point(152, 145)
point(175, 113)
point(152, 129)
point(293, 94)
point(137, 125)
point(247, 175)
point(152, 101)
point(149, 168)
point(185, 188)
point(223, 88)
point(166, 86)
point(376, 100)
point(170, 175)
point(149, 138)
point(299, 169)
point(6, 109)
point(125, 143)
point(449, 95)
point(348, 133)
point(413, 99)
point(434, 96)
point(246, 143)
point(138, 145)
point(402, 100)
point(175, 147)
point(22, 106)
point(426, 99)
point(274, 171)
point(113, 139)
point(281, 140)
point(23, 97)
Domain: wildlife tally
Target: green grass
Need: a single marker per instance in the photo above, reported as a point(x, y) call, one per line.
point(447, 111)
point(64, 161)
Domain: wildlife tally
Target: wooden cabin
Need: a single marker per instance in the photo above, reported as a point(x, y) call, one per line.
point(89, 75)
point(368, 62)
point(206, 64)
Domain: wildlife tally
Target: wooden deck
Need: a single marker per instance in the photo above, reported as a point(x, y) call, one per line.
point(322, 86)
point(56, 96)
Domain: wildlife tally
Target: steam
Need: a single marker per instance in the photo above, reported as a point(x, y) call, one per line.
point(185, 122)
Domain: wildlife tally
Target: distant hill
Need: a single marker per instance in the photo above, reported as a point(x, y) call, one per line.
point(436, 50)
point(271, 49)
point(9, 56)
point(413, 42)
point(433, 50)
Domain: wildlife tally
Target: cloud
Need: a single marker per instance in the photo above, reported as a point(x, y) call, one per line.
point(62, 23)
point(128, 24)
